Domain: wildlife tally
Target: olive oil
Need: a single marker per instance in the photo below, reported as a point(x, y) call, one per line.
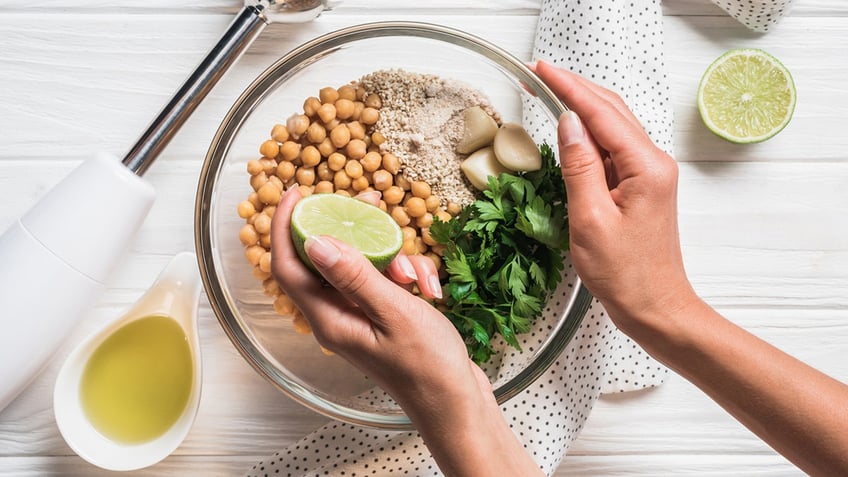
point(137, 382)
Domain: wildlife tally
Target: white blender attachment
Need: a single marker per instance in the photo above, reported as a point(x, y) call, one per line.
point(56, 258)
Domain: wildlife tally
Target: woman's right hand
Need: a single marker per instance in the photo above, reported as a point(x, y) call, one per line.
point(622, 203)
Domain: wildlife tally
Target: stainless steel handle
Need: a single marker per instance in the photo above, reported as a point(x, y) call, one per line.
point(240, 34)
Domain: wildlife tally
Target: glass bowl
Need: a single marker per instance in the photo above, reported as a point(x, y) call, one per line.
point(268, 341)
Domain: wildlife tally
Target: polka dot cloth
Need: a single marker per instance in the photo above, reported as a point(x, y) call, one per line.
point(758, 15)
point(619, 45)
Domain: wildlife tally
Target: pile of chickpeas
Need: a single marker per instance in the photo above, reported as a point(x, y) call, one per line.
point(333, 146)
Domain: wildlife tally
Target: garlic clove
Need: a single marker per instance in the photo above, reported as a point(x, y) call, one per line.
point(480, 165)
point(516, 150)
point(479, 130)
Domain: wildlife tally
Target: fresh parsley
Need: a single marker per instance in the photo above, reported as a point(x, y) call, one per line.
point(504, 255)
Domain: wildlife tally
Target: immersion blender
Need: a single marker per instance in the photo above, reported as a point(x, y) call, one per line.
point(55, 259)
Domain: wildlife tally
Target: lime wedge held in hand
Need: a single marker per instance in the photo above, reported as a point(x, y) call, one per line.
point(746, 96)
point(359, 224)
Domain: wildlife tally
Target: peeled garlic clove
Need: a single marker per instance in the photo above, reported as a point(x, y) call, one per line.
point(480, 165)
point(516, 150)
point(479, 130)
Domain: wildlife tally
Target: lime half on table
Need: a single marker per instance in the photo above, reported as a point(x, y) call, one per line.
point(746, 96)
point(359, 224)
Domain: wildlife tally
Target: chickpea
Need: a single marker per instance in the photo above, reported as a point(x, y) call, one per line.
point(360, 184)
point(269, 148)
point(424, 221)
point(328, 95)
point(279, 133)
point(246, 209)
point(305, 176)
point(269, 210)
point(289, 150)
point(356, 149)
point(273, 179)
point(285, 171)
point(262, 224)
point(409, 247)
point(344, 192)
point(301, 325)
point(420, 189)
point(453, 208)
point(391, 163)
point(358, 106)
point(268, 165)
point(322, 170)
point(269, 285)
point(433, 203)
point(402, 182)
point(443, 215)
point(329, 126)
point(347, 92)
point(377, 138)
point(254, 167)
point(393, 195)
point(360, 92)
point(297, 125)
point(327, 112)
point(371, 161)
point(400, 216)
point(305, 190)
point(382, 204)
point(344, 108)
point(426, 237)
point(409, 233)
point(311, 105)
point(258, 180)
point(381, 179)
point(253, 253)
point(336, 161)
point(341, 180)
point(309, 156)
point(265, 241)
point(253, 198)
point(248, 235)
point(270, 193)
point(265, 262)
point(259, 274)
point(415, 207)
point(353, 169)
point(374, 101)
point(340, 136)
point(420, 246)
point(326, 147)
point(369, 116)
point(324, 187)
point(284, 305)
point(357, 130)
point(316, 133)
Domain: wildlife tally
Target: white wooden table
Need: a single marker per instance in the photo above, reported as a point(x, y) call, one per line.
point(763, 227)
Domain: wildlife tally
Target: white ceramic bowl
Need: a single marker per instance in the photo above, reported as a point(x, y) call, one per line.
point(268, 341)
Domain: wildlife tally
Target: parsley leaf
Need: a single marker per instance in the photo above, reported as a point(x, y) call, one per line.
point(503, 255)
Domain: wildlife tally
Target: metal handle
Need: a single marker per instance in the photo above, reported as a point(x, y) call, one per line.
point(240, 34)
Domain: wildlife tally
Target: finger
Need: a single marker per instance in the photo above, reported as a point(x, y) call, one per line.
point(356, 279)
point(582, 166)
point(401, 270)
point(614, 128)
point(372, 197)
point(428, 276)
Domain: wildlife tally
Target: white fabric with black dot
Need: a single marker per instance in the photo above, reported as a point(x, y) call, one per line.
point(618, 44)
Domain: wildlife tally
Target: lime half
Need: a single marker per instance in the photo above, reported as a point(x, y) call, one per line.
point(746, 96)
point(359, 224)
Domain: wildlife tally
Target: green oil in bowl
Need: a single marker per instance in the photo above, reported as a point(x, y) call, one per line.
point(137, 383)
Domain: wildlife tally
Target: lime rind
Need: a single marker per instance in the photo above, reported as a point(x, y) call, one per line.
point(356, 223)
point(746, 96)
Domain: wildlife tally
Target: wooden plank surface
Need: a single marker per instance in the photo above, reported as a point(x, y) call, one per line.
point(763, 227)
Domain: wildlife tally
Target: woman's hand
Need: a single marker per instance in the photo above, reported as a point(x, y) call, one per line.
point(622, 203)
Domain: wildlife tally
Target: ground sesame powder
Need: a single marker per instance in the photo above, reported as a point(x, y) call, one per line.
point(421, 118)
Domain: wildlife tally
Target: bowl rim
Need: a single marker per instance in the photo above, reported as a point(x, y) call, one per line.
point(241, 109)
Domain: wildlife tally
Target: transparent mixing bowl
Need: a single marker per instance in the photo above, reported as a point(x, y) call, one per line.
point(268, 341)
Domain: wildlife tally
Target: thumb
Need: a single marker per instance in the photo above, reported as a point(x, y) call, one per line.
point(581, 163)
point(349, 272)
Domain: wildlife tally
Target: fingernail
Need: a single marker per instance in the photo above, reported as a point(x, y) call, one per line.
point(406, 267)
point(322, 253)
point(570, 129)
point(435, 285)
point(372, 196)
